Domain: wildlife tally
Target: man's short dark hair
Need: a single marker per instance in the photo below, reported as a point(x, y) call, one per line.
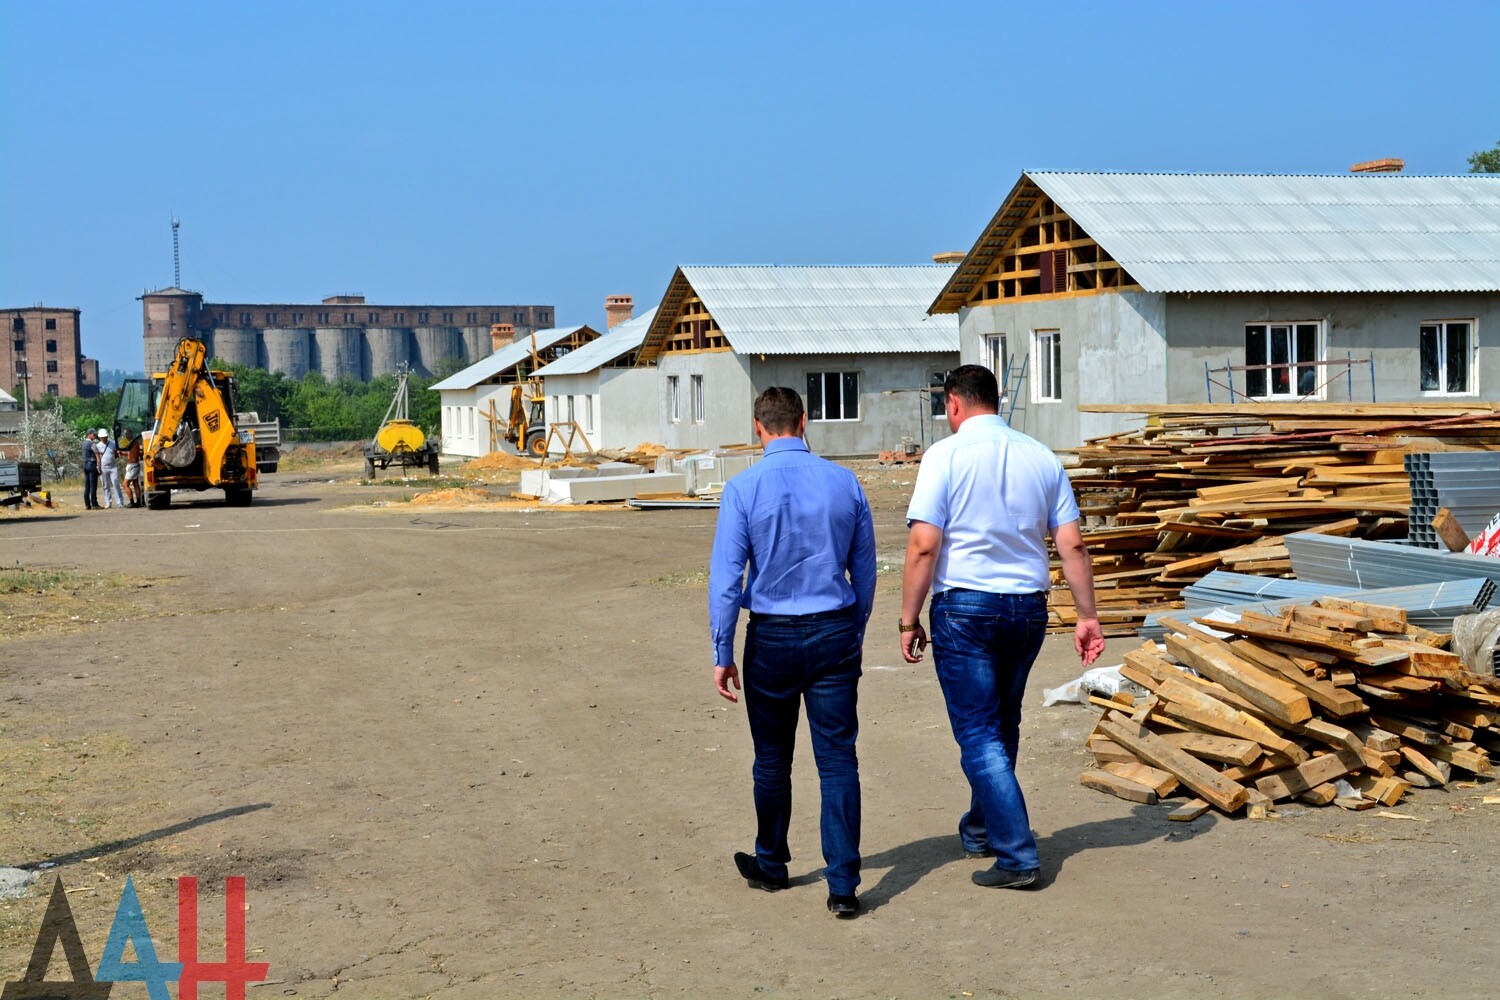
point(779, 410)
point(975, 385)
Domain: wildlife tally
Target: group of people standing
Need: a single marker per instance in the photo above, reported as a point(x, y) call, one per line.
point(795, 546)
point(101, 459)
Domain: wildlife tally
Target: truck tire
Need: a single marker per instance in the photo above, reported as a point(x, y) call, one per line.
point(536, 445)
point(369, 468)
point(432, 462)
point(158, 499)
point(238, 496)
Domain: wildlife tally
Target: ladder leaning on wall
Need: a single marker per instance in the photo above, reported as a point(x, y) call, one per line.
point(1010, 389)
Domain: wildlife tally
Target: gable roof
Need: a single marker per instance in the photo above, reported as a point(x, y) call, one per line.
point(507, 357)
point(774, 309)
point(625, 337)
point(1269, 232)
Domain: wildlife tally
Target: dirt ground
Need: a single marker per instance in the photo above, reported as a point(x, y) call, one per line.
point(474, 751)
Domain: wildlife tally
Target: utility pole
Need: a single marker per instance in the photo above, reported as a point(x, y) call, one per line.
point(24, 374)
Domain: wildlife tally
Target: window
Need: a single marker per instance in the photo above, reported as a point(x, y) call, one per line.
point(52, 389)
point(572, 416)
point(422, 317)
point(51, 366)
point(1046, 348)
point(518, 318)
point(1447, 357)
point(399, 318)
point(936, 395)
point(699, 410)
point(244, 319)
point(833, 396)
point(995, 357)
point(374, 317)
point(674, 400)
point(19, 344)
point(270, 318)
point(473, 318)
point(1277, 359)
point(447, 317)
point(296, 317)
point(588, 414)
point(50, 324)
point(348, 317)
point(51, 347)
point(322, 317)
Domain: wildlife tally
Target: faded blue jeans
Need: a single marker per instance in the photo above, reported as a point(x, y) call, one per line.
point(789, 660)
point(983, 646)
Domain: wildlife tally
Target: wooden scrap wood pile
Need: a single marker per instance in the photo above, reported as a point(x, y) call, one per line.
point(1288, 706)
point(1209, 486)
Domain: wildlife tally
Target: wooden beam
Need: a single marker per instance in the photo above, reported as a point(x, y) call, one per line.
point(1450, 531)
point(1117, 786)
point(1304, 777)
point(1208, 784)
point(1271, 694)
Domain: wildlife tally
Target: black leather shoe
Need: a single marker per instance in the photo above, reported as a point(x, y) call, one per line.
point(1000, 878)
point(843, 907)
point(754, 877)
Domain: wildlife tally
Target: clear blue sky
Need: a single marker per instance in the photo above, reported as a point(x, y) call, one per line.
point(557, 152)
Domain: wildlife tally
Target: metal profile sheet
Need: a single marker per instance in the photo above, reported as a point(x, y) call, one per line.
point(1432, 606)
point(594, 355)
point(504, 359)
point(1280, 233)
point(1356, 562)
point(1222, 587)
point(826, 310)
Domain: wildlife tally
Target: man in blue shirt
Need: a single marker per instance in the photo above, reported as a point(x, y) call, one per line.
point(802, 527)
point(985, 501)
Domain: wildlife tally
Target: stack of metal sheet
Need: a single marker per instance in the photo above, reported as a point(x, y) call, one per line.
point(1465, 482)
point(1356, 562)
point(1222, 587)
point(1430, 605)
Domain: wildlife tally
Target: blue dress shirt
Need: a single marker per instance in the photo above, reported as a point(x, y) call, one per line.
point(803, 528)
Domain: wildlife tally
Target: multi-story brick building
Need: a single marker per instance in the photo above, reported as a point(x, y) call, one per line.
point(41, 354)
point(341, 336)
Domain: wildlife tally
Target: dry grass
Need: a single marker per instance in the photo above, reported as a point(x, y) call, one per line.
point(42, 601)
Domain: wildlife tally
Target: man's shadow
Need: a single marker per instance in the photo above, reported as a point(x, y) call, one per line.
point(910, 863)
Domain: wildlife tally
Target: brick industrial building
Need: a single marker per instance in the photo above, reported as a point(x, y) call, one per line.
point(42, 355)
point(341, 336)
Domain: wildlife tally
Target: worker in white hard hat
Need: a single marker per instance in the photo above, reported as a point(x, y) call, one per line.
point(109, 470)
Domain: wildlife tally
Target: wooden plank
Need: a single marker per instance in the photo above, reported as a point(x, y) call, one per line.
point(1438, 771)
point(1188, 811)
point(1331, 698)
point(1449, 531)
point(1422, 660)
point(1322, 795)
point(1268, 692)
point(1296, 780)
point(1385, 790)
point(1193, 706)
point(1382, 619)
point(1473, 761)
point(1335, 736)
point(1159, 781)
point(1207, 746)
point(1117, 786)
point(1347, 621)
point(1409, 731)
point(1208, 784)
point(1375, 738)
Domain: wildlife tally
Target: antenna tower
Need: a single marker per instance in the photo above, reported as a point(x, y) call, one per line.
point(176, 257)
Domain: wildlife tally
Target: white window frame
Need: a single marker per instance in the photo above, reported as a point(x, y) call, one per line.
point(937, 399)
point(1046, 351)
point(674, 399)
point(838, 379)
point(572, 416)
point(995, 354)
point(1289, 328)
point(1472, 360)
point(588, 413)
point(700, 407)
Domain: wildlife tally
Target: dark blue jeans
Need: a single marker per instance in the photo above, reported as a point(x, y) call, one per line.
point(90, 488)
point(983, 646)
point(789, 660)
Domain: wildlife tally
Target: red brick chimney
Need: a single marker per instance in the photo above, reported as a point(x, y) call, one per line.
point(617, 309)
point(1389, 165)
point(500, 335)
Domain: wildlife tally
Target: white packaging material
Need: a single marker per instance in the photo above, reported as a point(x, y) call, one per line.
point(1105, 681)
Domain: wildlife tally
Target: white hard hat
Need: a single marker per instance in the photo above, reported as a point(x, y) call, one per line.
point(103, 432)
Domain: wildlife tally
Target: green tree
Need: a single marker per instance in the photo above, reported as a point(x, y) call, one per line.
point(80, 414)
point(1486, 161)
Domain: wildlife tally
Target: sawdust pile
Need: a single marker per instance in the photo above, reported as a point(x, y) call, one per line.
point(462, 496)
point(497, 460)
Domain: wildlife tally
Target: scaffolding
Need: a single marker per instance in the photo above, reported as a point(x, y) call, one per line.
point(1304, 372)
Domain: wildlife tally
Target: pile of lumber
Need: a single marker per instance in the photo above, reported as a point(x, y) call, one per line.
point(1287, 706)
point(1215, 486)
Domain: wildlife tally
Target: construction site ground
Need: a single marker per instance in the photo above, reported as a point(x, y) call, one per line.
point(472, 749)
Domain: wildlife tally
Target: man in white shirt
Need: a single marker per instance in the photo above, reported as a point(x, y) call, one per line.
point(985, 501)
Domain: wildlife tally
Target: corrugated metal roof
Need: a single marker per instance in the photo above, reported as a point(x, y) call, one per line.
point(625, 337)
point(769, 309)
point(1268, 232)
point(508, 356)
point(1279, 233)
